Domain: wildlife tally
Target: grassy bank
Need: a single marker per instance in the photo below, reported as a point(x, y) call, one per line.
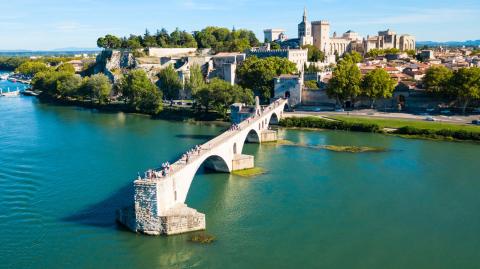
point(399, 123)
point(407, 128)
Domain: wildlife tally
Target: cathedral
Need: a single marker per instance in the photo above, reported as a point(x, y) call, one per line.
point(317, 33)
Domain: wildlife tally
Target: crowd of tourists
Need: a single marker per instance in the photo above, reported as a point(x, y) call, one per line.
point(163, 172)
point(190, 153)
point(234, 127)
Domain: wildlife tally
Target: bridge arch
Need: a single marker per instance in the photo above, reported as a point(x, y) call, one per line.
point(215, 163)
point(274, 119)
point(253, 136)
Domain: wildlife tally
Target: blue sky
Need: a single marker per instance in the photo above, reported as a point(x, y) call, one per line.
point(50, 24)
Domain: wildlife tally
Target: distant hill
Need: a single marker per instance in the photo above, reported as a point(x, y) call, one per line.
point(468, 43)
point(77, 49)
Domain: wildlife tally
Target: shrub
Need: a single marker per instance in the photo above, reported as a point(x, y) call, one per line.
point(313, 122)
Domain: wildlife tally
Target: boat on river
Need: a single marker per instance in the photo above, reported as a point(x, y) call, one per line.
point(10, 93)
point(4, 76)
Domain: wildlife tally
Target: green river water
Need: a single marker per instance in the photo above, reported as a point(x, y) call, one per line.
point(65, 170)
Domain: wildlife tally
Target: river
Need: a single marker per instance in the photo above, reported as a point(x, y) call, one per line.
point(65, 170)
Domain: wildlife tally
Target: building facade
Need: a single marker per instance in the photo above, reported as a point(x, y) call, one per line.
point(297, 56)
point(317, 33)
point(388, 39)
point(305, 31)
point(274, 35)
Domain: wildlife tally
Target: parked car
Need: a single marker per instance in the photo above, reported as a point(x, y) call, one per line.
point(339, 110)
point(430, 119)
point(476, 122)
point(445, 111)
point(430, 109)
point(317, 109)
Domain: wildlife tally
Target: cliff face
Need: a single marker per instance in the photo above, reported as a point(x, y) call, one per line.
point(112, 62)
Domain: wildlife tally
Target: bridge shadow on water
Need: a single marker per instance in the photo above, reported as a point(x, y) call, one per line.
point(102, 214)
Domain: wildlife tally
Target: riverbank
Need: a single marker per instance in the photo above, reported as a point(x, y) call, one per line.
point(404, 128)
point(167, 113)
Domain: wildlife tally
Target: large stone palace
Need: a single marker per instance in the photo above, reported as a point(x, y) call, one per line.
point(317, 33)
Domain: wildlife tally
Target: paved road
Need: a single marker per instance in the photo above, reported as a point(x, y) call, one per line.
point(456, 119)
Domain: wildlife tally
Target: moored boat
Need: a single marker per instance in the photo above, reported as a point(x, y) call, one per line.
point(9, 93)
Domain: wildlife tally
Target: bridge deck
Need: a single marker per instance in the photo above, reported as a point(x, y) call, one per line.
point(207, 147)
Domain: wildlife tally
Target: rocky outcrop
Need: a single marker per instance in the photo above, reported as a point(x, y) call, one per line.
point(112, 62)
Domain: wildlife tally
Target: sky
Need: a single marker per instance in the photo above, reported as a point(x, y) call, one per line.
point(54, 24)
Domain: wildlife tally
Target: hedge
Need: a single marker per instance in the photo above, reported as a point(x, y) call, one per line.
point(314, 122)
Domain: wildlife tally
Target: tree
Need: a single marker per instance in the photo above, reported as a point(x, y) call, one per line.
point(353, 57)
point(56, 84)
point(68, 84)
point(411, 53)
point(219, 95)
point(196, 80)
point(109, 42)
point(67, 67)
point(149, 40)
point(345, 82)
point(258, 74)
point(377, 84)
point(311, 84)
point(31, 68)
point(140, 93)
point(465, 84)
point(222, 39)
point(314, 54)
point(169, 83)
point(274, 46)
point(98, 87)
point(436, 80)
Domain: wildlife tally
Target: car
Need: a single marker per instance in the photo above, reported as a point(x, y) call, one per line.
point(477, 110)
point(339, 110)
point(476, 122)
point(430, 109)
point(317, 109)
point(445, 111)
point(430, 119)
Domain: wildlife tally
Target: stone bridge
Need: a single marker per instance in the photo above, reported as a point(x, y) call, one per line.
point(160, 200)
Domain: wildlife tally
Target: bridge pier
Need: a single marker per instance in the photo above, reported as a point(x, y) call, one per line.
point(269, 136)
point(146, 217)
point(159, 202)
point(242, 162)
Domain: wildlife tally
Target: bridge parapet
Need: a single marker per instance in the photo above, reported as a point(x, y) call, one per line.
point(160, 195)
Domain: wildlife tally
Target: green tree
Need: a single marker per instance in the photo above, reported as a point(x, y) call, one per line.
point(377, 84)
point(411, 53)
point(314, 54)
point(98, 87)
point(109, 42)
point(436, 80)
point(222, 39)
point(169, 83)
point(465, 84)
point(274, 46)
point(345, 82)
point(311, 84)
point(67, 83)
point(258, 74)
point(219, 95)
point(31, 68)
point(148, 40)
point(196, 80)
point(140, 93)
point(353, 57)
point(66, 67)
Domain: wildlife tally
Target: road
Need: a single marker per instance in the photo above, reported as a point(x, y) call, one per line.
point(368, 113)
